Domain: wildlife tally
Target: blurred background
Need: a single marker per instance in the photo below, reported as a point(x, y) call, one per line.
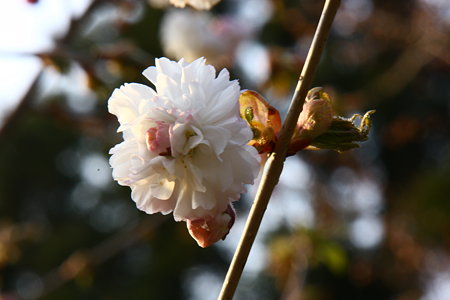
point(372, 223)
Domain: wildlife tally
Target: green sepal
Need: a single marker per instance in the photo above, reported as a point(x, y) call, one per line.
point(343, 134)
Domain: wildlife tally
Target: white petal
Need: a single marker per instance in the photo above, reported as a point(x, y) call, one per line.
point(151, 73)
point(195, 177)
point(223, 103)
point(163, 188)
point(169, 68)
point(194, 140)
point(120, 161)
point(183, 208)
point(218, 137)
point(203, 200)
point(167, 86)
point(125, 102)
point(143, 196)
point(178, 138)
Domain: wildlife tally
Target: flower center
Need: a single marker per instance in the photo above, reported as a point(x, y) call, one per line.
point(158, 139)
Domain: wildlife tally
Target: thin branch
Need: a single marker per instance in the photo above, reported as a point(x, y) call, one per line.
point(274, 165)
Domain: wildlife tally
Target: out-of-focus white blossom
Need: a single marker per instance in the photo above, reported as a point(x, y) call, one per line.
point(191, 34)
point(197, 4)
point(185, 146)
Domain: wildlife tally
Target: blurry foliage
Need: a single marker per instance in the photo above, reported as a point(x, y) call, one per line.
point(62, 237)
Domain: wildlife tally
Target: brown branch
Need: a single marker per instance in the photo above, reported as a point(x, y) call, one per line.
point(274, 165)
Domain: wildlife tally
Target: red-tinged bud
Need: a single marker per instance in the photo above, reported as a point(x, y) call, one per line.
point(314, 120)
point(209, 230)
point(263, 119)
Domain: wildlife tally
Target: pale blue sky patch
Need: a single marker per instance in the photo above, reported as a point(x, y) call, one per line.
point(17, 74)
point(27, 29)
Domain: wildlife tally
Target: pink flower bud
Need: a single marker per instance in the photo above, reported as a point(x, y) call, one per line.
point(209, 230)
point(314, 120)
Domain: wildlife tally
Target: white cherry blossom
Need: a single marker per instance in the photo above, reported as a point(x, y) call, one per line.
point(191, 34)
point(185, 146)
point(197, 4)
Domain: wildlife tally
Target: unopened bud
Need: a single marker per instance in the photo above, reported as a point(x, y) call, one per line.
point(314, 120)
point(209, 230)
point(263, 119)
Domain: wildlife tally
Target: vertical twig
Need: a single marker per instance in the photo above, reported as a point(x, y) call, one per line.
point(274, 164)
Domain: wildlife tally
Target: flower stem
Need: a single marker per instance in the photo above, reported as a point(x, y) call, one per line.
point(274, 164)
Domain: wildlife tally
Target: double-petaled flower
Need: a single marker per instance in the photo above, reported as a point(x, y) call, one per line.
point(185, 146)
